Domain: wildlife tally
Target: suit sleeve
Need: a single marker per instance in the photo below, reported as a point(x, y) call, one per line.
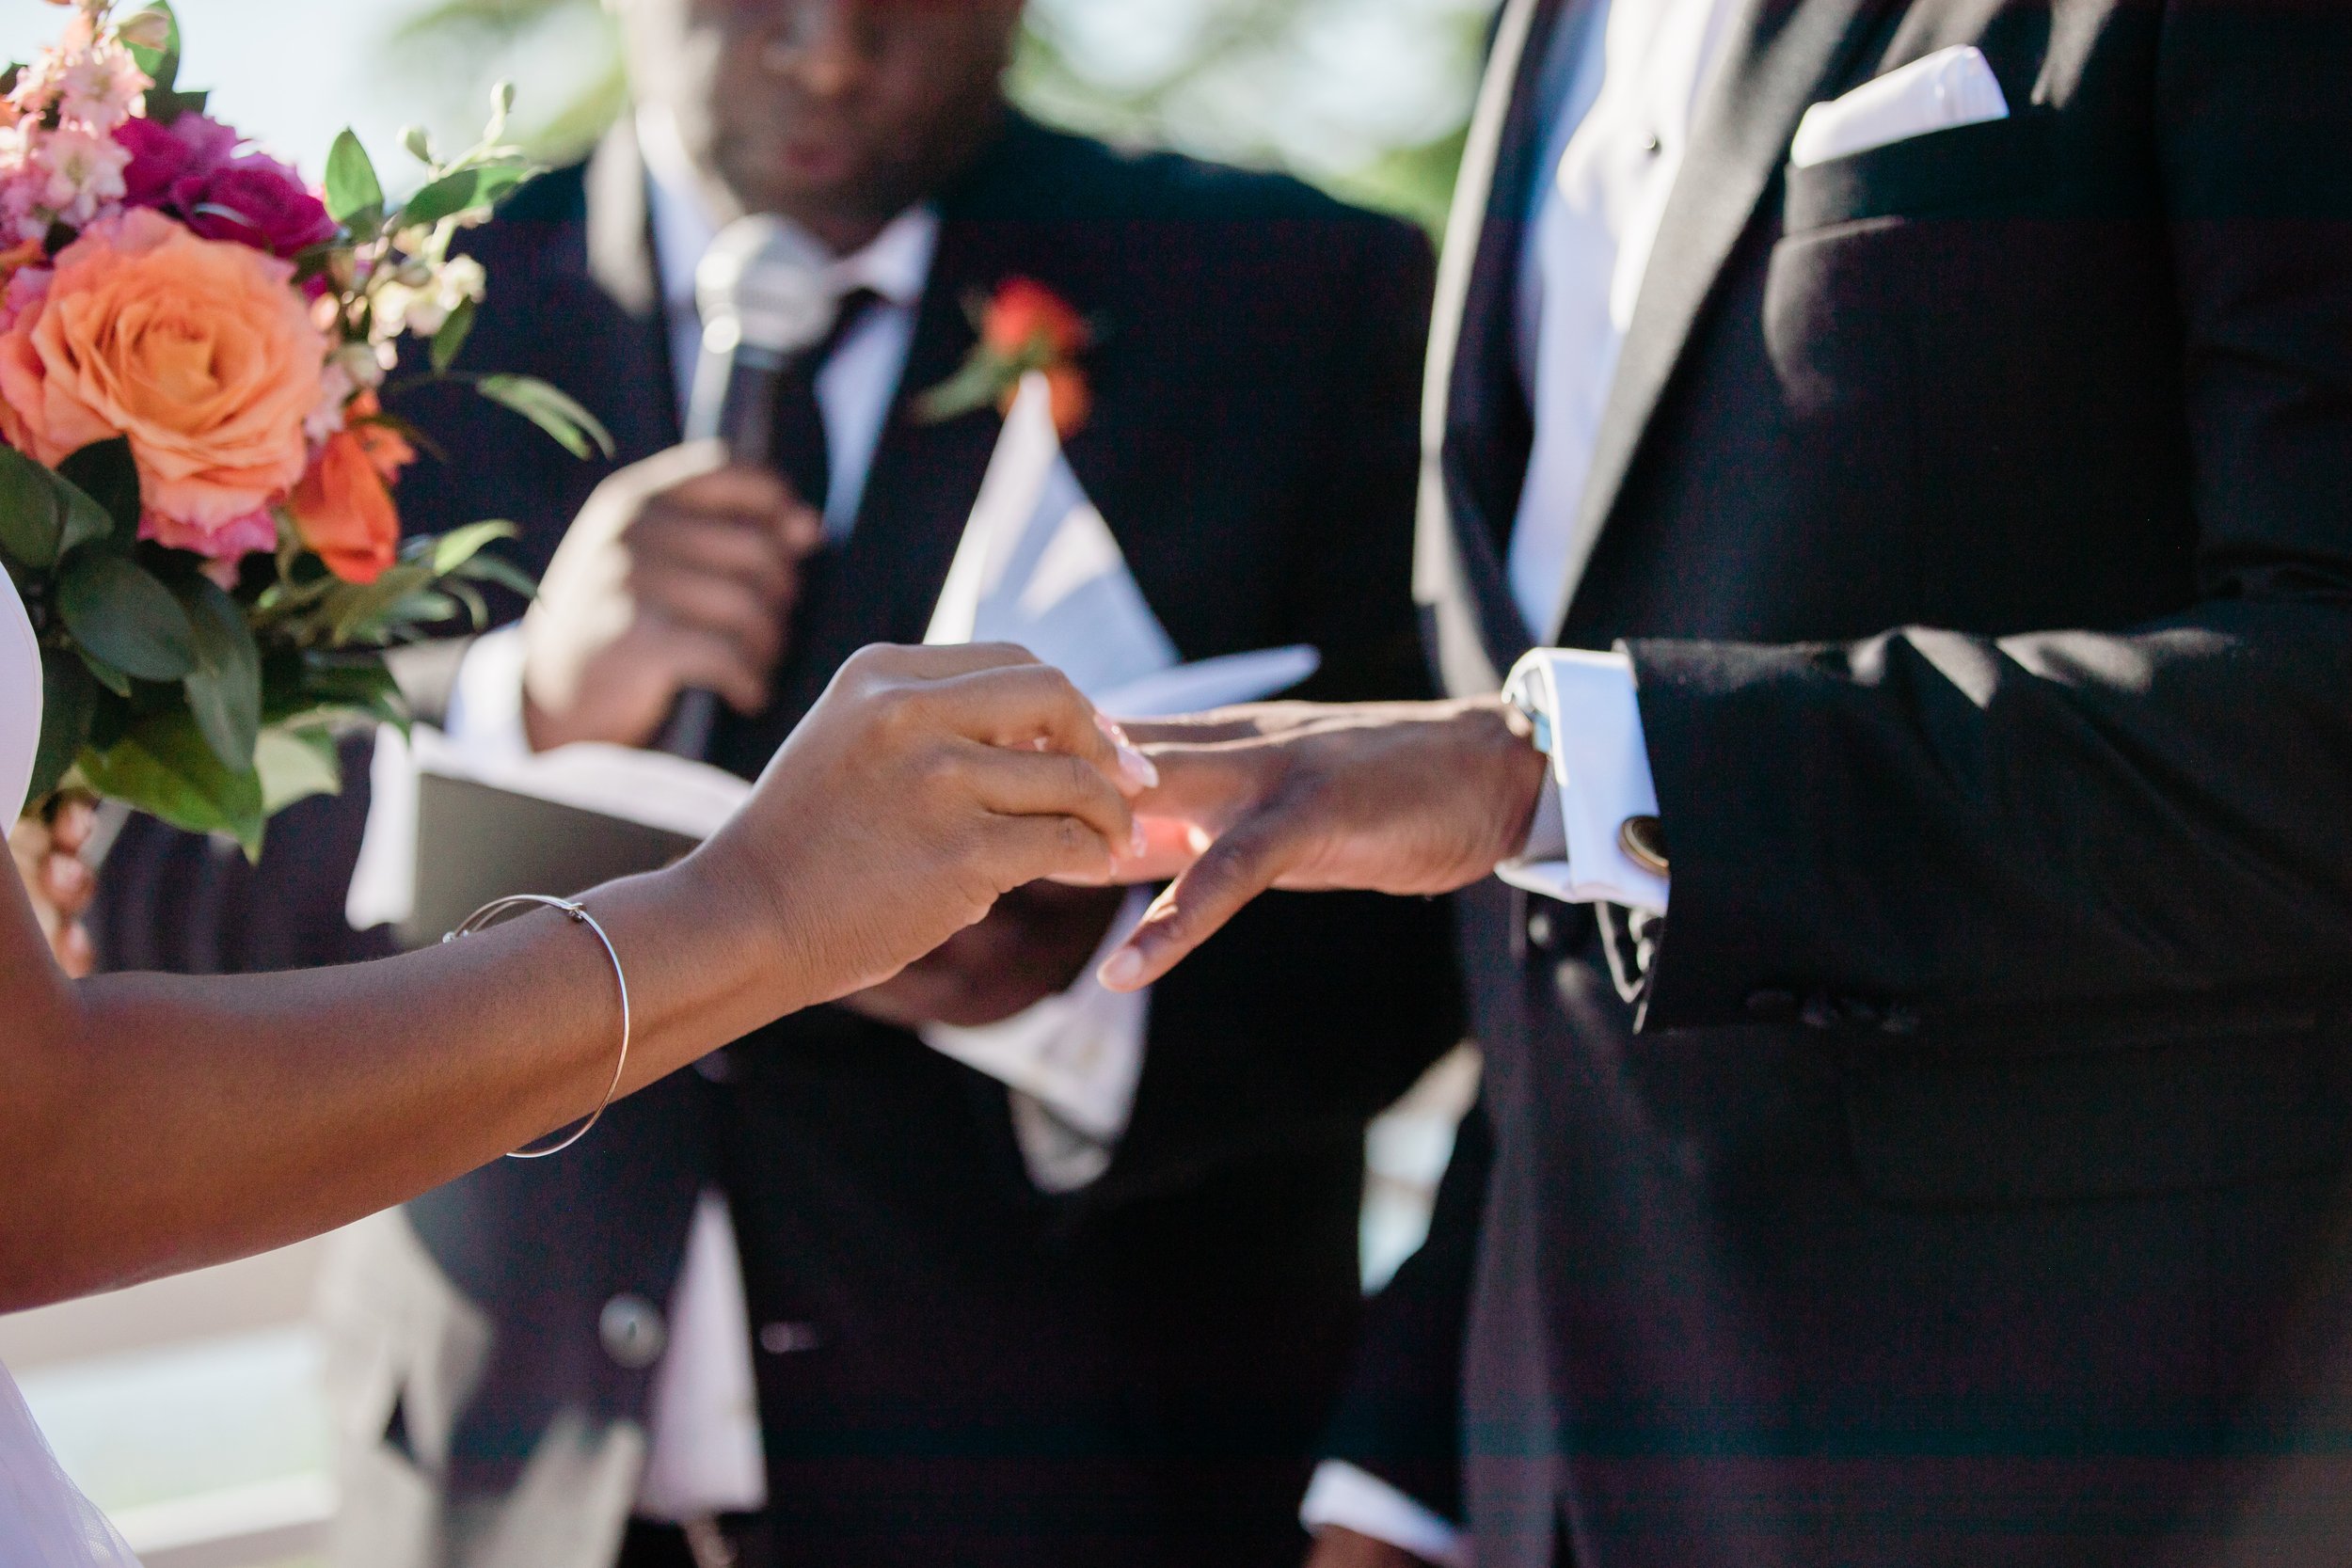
point(1400, 1418)
point(1941, 821)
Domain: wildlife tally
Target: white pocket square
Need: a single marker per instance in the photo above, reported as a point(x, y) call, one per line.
point(1947, 90)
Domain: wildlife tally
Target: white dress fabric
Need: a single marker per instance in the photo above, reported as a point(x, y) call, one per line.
point(44, 1520)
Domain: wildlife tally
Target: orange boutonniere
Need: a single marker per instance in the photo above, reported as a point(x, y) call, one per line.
point(1024, 326)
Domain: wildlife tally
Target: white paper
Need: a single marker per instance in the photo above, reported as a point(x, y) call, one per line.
point(1039, 567)
point(1942, 91)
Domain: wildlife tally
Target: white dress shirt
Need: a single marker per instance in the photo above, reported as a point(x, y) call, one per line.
point(1625, 83)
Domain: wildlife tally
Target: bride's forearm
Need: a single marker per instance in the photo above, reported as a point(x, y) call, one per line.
point(174, 1122)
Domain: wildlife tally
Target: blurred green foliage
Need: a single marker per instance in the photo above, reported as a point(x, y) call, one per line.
point(1367, 98)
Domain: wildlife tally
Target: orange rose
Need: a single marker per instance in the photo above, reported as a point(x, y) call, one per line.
point(1028, 321)
point(343, 506)
point(200, 351)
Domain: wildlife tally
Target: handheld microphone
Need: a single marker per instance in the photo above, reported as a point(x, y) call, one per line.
point(763, 297)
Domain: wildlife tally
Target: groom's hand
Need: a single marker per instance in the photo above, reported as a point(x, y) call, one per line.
point(1404, 798)
point(679, 574)
point(1034, 944)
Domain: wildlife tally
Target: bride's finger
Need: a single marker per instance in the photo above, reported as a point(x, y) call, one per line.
point(1017, 850)
point(1241, 864)
point(1019, 705)
point(1046, 784)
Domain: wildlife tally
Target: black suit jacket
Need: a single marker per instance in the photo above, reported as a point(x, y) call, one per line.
point(1134, 1372)
point(1961, 1185)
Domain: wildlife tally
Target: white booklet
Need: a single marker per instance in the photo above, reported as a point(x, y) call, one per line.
point(1039, 567)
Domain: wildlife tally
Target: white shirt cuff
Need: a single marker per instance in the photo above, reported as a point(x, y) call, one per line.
point(1588, 721)
point(486, 705)
point(1345, 1496)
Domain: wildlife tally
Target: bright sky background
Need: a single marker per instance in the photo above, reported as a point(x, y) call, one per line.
point(293, 72)
point(289, 73)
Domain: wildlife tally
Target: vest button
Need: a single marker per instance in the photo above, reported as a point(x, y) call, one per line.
point(1539, 929)
point(632, 1332)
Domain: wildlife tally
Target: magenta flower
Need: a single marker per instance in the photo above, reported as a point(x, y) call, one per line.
point(191, 169)
point(192, 145)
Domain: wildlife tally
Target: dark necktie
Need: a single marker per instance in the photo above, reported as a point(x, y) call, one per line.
point(798, 449)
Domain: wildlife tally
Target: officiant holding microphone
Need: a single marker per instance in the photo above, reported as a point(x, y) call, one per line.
point(840, 1297)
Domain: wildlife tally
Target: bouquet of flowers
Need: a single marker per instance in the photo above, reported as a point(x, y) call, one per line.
point(195, 470)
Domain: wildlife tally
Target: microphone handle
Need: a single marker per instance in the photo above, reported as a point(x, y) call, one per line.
point(746, 421)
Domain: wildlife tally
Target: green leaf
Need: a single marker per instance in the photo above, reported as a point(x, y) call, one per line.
point(104, 673)
point(500, 572)
point(118, 611)
point(456, 548)
point(106, 473)
point(452, 334)
point(165, 767)
point(482, 185)
point(574, 429)
point(67, 699)
point(295, 764)
point(32, 516)
point(352, 187)
point(225, 689)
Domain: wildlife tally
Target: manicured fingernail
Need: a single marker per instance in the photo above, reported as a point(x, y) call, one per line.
point(1137, 768)
point(1122, 969)
point(1138, 842)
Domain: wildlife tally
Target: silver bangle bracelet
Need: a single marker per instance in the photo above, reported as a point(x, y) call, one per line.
point(578, 916)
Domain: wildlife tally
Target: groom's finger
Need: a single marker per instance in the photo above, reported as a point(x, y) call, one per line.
point(1233, 871)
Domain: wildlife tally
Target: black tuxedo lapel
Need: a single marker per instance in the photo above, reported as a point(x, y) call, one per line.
point(1778, 54)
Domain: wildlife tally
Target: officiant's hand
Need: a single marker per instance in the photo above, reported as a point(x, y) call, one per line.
point(1034, 944)
point(1402, 797)
point(678, 575)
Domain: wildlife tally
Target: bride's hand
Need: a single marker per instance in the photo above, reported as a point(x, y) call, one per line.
point(48, 860)
point(925, 784)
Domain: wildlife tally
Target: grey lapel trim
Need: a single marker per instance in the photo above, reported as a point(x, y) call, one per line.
point(1440, 570)
point(1777, 54)
point(620, 258)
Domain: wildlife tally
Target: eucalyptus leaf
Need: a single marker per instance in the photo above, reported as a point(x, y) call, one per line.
point(295, 764)
point(108, 473)
point(32, 515)
point(118, 611)
point(574, 429)
point(450, 338)
point(352, 189)
point(67, 699)
point(225, 689)
point(165, 767)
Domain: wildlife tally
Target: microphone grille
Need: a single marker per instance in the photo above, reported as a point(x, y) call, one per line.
point(765, 281)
